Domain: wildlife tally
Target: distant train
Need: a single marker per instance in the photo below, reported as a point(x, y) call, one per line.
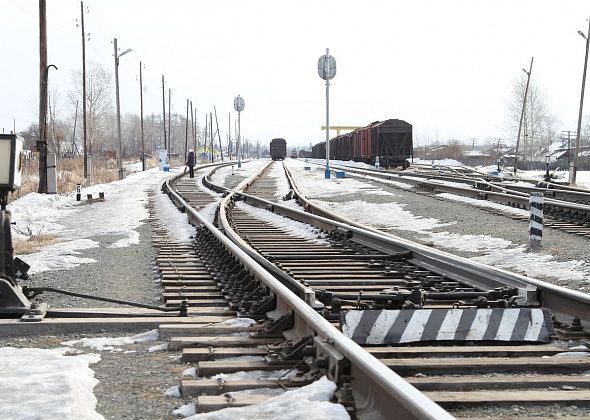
point(304, 153)
point(278, 149)
point(388, 143)
point(294, 154)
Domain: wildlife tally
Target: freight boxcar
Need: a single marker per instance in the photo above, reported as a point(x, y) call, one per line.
point(278, 149)
point(389, 141)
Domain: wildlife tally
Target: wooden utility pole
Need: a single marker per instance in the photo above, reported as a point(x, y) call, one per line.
point(74, 147)
point(218, 134)
point(141, 116)
point(169, 125)
point(42, 142)
point(211, 135)
point(84, 90)
point(193, 129)
point(526, 91)
point(186, 132)
point(206, 129)
point(164, 113)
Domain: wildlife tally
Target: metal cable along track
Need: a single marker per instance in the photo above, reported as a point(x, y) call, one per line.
point(326, 270)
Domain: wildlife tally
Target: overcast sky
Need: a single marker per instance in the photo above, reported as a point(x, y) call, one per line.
point(446, 67)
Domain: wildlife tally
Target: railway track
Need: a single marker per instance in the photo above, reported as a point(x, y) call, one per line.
point(565, 208)
point(357, 279)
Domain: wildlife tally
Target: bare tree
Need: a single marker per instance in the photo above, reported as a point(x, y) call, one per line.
point(99, 104)
point(539, 124)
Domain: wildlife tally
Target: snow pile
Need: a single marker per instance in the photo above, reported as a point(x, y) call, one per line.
point(109, 343)
point(310, 402)
point(36, 214)
point(292, 226)
point(238, 322)
point(40, 383)
point(439, 162)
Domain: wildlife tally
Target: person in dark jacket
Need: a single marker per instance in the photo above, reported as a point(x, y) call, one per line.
point(190, 162)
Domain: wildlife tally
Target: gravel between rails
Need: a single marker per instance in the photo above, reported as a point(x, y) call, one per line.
point(471, 220)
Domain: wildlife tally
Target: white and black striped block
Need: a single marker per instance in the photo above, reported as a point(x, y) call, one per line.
point(469, 324)
point(536, 217)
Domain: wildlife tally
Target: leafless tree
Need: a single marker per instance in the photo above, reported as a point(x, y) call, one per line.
point(99, 104)
point(539, 123)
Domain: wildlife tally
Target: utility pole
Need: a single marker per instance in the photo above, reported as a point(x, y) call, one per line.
point(193, 131)
point(218, 134)
point(164, 113)
point(229, 146)
point(141, 111)
point(84, 90)
point(74, 147)
point(206, 129)
point(186, 132)
point(42, 142)
point(169, 125)
point(575, 169)
point(120, 151)
point(526, 91)
point(211, 134)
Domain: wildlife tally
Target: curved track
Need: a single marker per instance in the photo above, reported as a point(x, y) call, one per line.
point(354, 269)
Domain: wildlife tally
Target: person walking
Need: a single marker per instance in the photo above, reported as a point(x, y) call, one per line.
point(190, 162)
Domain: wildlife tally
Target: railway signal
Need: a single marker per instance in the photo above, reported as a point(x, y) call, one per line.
point(239, 106)
point(327, 71)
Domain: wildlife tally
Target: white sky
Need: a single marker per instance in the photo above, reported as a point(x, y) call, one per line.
point(447, 67)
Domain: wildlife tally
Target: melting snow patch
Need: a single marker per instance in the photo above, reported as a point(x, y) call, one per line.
point(291, 225)
point(192, 372)
point(256, 374)
point(573, 354)
point(238, 322)
point(306, 403)
point(186, 410)
point(159, 347)
point(44, 383)
point(108, 343)
point(173, 392)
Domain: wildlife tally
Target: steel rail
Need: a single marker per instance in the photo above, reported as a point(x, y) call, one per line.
point(503, 196)
point(383, 391)
point(565, 303)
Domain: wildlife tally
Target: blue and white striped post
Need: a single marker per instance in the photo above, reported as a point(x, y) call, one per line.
point(536, 219)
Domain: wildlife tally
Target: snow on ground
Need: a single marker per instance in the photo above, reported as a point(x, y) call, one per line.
point(292, 226)
point(248, 169)
point(278, 173)
point(438, 162)
point(110, 343)
point(47, 384)
point(321, 187)
point(485, 203)
point(75, 223)
point(310, 402)
point(493, 251)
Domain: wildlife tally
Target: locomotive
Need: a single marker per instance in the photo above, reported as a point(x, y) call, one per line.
point(387, 143)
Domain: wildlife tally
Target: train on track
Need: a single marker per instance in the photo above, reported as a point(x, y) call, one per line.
point(278, 149)
point(386, 143)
